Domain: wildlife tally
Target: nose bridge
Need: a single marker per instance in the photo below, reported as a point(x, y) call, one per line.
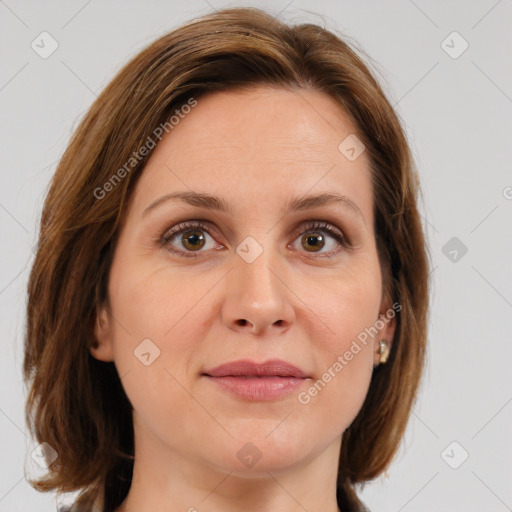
point(257, 278)
point(256, 293)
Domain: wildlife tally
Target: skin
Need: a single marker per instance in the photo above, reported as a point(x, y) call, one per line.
point(256, 149)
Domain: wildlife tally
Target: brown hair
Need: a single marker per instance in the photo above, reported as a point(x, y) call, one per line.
point(76, 403)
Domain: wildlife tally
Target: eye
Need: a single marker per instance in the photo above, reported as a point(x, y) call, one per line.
point(195, 236)
point(314, 238)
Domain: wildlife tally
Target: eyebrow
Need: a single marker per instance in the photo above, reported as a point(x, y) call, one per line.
point(215, 203)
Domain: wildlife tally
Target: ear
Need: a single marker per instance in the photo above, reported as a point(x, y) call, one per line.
point(387, 316)
point(103, 346)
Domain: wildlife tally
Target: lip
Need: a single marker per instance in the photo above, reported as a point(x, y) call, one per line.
point(246, 368)
point(257, 381)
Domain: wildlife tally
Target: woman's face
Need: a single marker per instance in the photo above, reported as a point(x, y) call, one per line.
point(257, 281)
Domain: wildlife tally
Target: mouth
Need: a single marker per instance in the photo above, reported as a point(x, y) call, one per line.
point(257, 382)
point(251, 369)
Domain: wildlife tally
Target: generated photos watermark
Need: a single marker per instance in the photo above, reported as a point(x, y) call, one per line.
point(137, 156)
point(304, 397)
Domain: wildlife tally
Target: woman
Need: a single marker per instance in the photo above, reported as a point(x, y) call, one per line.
point(228, 307)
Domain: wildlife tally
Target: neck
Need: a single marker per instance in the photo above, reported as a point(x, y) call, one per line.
point(171, 480)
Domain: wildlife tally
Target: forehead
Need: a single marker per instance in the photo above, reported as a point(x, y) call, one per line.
point(298, 122)
point(257, 146)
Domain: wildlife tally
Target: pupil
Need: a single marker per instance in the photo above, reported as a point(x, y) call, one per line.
point(315, 240)
point(194, 238)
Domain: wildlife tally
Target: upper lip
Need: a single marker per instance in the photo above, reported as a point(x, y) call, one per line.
point(273, 367)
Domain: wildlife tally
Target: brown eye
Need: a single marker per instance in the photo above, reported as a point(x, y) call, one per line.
point(194, 237)
point(314, 240)
point(320, 235)
point(193, 240)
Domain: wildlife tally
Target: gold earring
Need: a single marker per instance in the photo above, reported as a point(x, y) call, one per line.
point(383, 351)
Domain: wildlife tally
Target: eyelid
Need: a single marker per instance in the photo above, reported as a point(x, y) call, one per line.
point(321, 225)
point(189, 224)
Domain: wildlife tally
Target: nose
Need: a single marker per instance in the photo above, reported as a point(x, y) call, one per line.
point(257, 298)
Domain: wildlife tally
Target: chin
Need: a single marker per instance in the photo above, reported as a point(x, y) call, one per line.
point(253, 452)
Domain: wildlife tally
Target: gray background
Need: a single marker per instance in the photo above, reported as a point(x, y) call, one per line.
point(457, 114)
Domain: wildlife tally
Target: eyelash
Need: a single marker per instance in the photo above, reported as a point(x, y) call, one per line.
point(168, 235)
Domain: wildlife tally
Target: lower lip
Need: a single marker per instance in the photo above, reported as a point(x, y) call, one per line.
point(258, 388)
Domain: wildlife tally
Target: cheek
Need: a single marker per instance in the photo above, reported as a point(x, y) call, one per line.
point(349, 308)
point(153, 333)
point(155, 322)
point(344, 306)
point(155, 302)
point(337, 394)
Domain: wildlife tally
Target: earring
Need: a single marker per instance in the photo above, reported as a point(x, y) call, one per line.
point(383, 351)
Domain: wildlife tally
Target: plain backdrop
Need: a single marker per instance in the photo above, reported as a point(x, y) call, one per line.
point(446, 66)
